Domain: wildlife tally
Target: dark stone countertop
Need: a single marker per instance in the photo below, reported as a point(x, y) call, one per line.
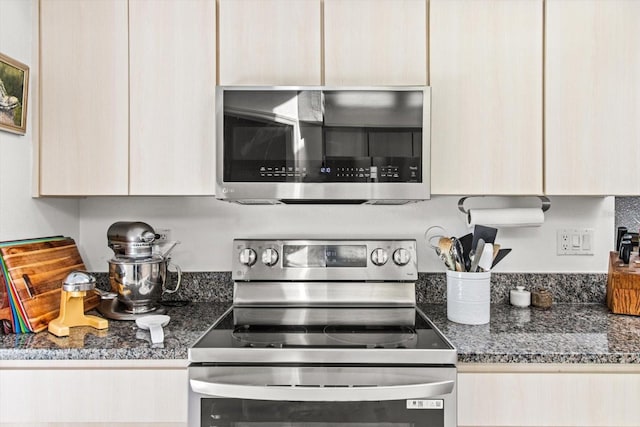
point(122, 340)
point(566, 333)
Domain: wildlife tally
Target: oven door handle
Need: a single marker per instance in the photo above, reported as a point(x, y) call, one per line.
point(322, 394)
point(323, 383)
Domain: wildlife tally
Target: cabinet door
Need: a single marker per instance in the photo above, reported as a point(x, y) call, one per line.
point(486, 79)
point(94, 397)
point(84, 101)
point(592, 97)
point(270, 42)
point(375, 42)
point(172, 72)
point(606, 397)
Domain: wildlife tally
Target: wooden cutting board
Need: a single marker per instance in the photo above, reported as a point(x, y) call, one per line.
point(6, 321)
point(37, 271)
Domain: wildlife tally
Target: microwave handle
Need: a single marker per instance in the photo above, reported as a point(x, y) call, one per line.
point(322, 394)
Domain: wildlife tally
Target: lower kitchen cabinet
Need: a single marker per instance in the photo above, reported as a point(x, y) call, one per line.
point(137, 393)
point(140, 393)
point(548, 395)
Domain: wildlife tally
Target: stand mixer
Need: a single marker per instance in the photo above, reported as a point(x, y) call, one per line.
point(138, 273)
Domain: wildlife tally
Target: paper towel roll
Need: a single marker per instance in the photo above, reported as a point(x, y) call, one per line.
point(509, 217)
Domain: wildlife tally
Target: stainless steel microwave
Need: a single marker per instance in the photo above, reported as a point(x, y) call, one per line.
point(318, 144)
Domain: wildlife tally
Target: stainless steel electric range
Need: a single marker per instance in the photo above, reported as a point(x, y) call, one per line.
point(323, 333)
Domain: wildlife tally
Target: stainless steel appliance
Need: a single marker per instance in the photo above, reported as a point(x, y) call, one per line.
point(323, 332)
point(138, 272)
point(323, 145)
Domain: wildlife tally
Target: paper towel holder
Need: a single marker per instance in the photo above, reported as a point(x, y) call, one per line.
point(546, 203)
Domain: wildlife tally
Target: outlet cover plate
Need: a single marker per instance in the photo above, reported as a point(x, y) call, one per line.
point(575, 241)
point(164, 233)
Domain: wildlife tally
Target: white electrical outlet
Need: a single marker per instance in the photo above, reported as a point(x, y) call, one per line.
point(164, 233)
point(575, 241)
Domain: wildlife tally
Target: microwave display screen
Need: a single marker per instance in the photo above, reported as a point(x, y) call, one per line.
point(318, 136)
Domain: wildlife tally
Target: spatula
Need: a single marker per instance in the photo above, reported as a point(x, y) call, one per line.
point(486, 259)
point(501, 254)
point(488, 234)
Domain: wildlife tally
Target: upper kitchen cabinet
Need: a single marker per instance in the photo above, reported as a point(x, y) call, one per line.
point(486, 79)
point(592, 97)
point(270, 42)
point(84, 98)
point(127, 99)
point(375, 42)
point(172, 77)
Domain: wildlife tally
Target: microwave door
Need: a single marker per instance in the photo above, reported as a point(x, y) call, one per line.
point(270, 149)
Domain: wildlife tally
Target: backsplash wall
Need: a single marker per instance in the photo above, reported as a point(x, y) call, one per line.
point(206, 228)
point(628, 213)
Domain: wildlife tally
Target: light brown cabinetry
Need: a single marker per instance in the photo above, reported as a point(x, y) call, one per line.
point(127, 99)
point(586, 395)
point(172, 78)
point(270, 42)
point(486, 78)
point(94, 393)
point(84, 101)
point(592, 97)
point(375, 42)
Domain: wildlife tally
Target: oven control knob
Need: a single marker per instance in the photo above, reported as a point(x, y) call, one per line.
point(379, 256)
point(248, 257)
point(269, 257)
point(401, 256)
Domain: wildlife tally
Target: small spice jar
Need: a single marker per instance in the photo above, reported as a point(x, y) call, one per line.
point(541, 298)
point(518, 297)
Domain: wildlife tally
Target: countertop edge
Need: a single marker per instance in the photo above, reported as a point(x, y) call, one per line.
point(547, 368)
point(95, 364)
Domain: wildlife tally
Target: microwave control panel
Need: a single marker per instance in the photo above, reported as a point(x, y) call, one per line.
point(338, 170)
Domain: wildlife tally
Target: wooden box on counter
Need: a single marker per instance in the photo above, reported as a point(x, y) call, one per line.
point(623, 285)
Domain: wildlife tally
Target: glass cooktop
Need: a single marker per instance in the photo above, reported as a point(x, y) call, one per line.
point(323, 328)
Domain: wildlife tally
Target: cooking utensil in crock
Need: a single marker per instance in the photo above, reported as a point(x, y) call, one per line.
point(477, 253)
point(501, 254)
point(466, 241)
point(458, 254)
point(445, 244)
point(486, 258)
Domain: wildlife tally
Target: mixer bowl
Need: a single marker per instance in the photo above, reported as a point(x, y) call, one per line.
point(140, 283)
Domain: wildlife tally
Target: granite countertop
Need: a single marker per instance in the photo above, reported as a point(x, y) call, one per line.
point(122, 340)
point(566, 333)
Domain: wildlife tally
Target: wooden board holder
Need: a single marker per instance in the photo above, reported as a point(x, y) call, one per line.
point(623, 285)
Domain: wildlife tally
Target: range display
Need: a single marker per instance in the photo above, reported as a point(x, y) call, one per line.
point(303, 256)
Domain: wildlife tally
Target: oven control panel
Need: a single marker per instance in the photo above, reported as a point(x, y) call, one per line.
point(288, 260)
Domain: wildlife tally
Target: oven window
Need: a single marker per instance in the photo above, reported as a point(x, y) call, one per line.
point(397, 413)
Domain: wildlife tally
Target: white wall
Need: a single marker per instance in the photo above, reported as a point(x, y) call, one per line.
point(206, 228)
point(20, 215)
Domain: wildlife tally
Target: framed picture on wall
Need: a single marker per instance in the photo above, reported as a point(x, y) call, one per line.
point(14, 82)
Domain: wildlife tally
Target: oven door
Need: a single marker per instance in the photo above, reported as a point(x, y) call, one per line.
point(322, 396)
